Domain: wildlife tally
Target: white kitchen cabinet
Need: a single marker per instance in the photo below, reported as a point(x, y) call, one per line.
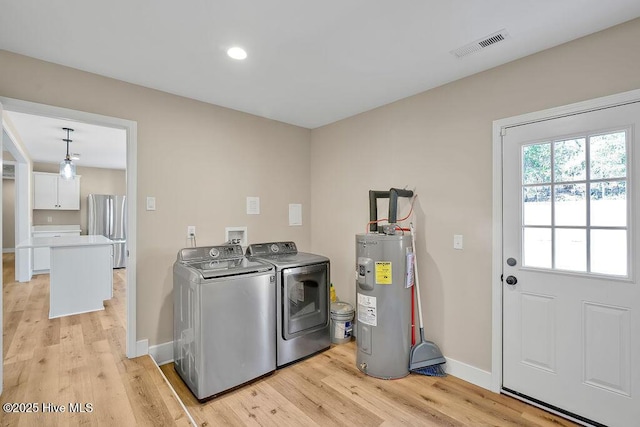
point(52, 192)
point(42, 255)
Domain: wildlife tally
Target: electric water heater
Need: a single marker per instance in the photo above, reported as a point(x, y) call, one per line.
point(383, 304)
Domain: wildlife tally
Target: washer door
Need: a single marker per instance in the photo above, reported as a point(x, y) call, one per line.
point(305, 295)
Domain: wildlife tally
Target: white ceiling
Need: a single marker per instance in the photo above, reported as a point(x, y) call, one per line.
point(98, 146)
point(309, 63)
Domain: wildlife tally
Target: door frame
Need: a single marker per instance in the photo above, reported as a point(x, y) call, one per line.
point(131, 128)
point(499, 126)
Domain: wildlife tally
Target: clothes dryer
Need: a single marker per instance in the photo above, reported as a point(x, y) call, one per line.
point(302, 299)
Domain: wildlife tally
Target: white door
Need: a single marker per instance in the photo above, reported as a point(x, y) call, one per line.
point(571, 292)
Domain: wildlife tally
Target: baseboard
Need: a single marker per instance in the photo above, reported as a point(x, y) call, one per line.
point(8, 250)
point(162, 353)
point(142, 347)
point(468, 373)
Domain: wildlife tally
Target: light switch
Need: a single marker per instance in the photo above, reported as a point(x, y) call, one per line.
point(151, 203)
point(457, 241)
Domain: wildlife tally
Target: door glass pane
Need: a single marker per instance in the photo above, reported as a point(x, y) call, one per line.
point(537, 205)
point(536, 247)
point(609, 252)
point(570, 204)
point(608, 156)
point(572, 189)
point(536, 163)
point(571, 249)
point(569, 160)
point(609, 204)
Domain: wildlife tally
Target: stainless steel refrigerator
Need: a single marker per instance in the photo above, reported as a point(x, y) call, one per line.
point(108, 217)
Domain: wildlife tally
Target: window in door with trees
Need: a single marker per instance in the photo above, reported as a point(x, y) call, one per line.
point(575, 204)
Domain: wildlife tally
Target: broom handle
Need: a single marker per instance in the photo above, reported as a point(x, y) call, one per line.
point(415, 275)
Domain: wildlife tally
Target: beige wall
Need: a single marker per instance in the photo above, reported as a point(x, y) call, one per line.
point(200, 161)
point(8, 214)
point(437, 142)
point(440, 144)
point(92, 180)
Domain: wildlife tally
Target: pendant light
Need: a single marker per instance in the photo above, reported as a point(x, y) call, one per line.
point(67, 167)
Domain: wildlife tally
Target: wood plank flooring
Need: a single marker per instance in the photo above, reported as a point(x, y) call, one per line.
point(77, 359)
point(81, 359)
point(328, 390)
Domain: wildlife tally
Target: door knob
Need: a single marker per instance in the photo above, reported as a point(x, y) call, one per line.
point(511, 280)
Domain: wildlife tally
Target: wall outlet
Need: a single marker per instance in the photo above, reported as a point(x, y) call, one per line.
point(191, 230)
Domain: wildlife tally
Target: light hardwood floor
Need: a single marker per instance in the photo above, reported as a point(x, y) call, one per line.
point(81, 359)
point(328, 390)
point(77, 359)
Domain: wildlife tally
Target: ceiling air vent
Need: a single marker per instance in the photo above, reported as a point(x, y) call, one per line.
point(484, 42)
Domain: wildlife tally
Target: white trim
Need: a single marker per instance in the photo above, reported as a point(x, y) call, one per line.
point(8, 250)
point(468, 373)
point(175, 394)
point(496, 264)
point(142, 347)
point(22, 203)
point(499, 128)
point(132, 233)
point(162, 353)
point(131, 128)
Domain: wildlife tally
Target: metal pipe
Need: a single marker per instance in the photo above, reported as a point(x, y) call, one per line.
point(394, 193)
point(373, 207)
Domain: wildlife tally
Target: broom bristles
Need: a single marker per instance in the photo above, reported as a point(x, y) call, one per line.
point(431, 371)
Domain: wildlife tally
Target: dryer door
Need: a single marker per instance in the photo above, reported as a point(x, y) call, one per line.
point(305, 295)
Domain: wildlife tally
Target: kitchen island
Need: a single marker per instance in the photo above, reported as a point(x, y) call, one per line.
point(81, 272)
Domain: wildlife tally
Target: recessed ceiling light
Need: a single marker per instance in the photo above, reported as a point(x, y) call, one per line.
point(237, 53)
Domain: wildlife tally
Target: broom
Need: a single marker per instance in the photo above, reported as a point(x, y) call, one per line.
point(425, 357)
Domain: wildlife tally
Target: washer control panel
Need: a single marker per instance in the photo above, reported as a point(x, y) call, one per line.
point(273, 248)
point(210, 253)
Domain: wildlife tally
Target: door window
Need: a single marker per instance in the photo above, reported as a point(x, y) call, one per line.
point(574, 204)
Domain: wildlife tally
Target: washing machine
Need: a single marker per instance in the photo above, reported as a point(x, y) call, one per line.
point(224, 319)
point(302, 299)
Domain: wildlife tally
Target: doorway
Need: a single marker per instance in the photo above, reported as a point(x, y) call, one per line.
point(24, 205)
point(569, 298)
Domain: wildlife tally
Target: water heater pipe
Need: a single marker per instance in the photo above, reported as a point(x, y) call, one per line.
point(392, 195)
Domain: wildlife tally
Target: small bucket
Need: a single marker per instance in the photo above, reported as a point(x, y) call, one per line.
point(341, 322)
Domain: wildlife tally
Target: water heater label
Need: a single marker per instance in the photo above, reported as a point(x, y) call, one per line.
point(383, 273)
point(367, 311)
